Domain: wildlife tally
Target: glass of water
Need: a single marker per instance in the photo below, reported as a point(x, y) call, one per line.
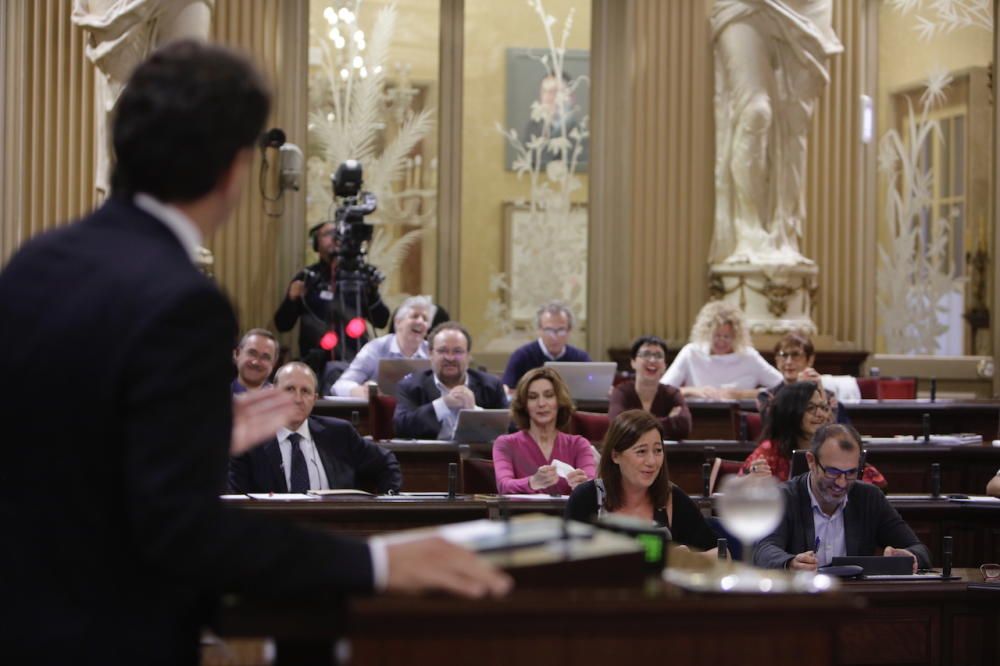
point(750, 507)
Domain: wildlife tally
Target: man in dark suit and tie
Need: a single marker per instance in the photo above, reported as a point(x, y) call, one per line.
point(428, 403)
point(829, 514)
point(312, 452)
point(116, 546)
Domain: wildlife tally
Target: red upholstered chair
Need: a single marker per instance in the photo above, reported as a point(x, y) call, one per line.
point(868, 387)
point(753, 424)
point(590, 425)
point(897, 388)
point(381, 409)
point(478, 476)
point(721, 469)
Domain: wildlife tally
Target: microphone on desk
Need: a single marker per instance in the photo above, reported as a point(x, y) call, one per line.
point(355, 418)
point(935, 480)
point(743, 429)
point(723, 547)
point(933, 389)
point(706, 478)
point(927, 427)
point(452, 479)
point(946, 557)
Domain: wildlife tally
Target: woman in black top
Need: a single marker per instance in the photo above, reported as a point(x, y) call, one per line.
point(633, 481)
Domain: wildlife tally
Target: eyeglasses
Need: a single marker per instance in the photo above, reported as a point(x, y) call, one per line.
point(816, 407)
point(555, 331)
point(794, 355)
point(991, 572)
point(651, 356)
point(457, 353)
point(833, 473)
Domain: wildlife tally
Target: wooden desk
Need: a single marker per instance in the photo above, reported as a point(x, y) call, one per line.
point(964, 469)
point(887, 418)
point(974, 527)
point(933, 623)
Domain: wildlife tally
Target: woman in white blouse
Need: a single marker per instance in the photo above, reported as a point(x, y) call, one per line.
point(720, 362)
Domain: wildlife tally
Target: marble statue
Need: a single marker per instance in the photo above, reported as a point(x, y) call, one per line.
point(120, 35)
point(770, 67)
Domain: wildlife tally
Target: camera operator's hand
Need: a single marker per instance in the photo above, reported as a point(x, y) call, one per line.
point(296, 289)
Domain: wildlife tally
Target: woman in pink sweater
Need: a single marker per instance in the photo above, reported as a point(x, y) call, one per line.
point(528, 461)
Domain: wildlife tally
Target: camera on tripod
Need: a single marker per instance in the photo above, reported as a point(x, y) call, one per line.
point(352, 231)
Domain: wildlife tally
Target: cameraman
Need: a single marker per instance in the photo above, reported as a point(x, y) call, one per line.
point(312, 296)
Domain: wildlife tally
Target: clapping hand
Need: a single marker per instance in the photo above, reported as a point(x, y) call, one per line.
point(544, 477)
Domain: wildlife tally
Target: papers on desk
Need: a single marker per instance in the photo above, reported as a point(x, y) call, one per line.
point(340, 491)
point(282, 497)
point(957, 439)
point(232, 497)
point(986, 499)
point(533, 496)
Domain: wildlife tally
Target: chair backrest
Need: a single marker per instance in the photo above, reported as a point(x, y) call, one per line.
point(897, 388)
point(752, 425)
point(381, 409)
point(868, 387)
point(478, 476)
point(722, 468)
point(590, 425)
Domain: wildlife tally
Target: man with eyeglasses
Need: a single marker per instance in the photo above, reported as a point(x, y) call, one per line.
point(254, 357)
point(428, 403)
point(311, 452)
point(828, 515)
point(554, 321)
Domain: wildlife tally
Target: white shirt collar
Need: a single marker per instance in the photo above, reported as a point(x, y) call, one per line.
point(444, 389)
point(303, 430)
point(547, 354)
point(187, 233)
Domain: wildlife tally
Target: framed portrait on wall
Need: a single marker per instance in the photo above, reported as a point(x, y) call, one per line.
point(529, 82)
point(545, 259)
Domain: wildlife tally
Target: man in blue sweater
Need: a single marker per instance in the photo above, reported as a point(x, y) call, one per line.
point(554, 321)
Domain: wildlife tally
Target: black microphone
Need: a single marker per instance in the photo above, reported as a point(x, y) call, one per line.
point(743, 429)
point(706, 478)
point(935, 480)
point(355, 418)
point(452, 479)
point(927, 427)
point(946, 557)
point(933, 389)
point(723, 546)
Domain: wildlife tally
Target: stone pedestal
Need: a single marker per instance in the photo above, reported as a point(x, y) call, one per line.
point(776, 298)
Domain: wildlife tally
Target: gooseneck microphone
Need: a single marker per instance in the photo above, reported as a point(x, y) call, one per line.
point(946, 557)
point(452, 479)
point(935, 480)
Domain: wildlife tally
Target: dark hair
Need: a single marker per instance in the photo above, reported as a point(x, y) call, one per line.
point(847, 437)
point(260, 333)
point(182, 119)
point(519, 403)
point(796, 340)
point(623, 433)
point(449, 326)
point(648, 340)
point(783, 423)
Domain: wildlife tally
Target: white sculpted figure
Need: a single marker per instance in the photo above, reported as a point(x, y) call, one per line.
point(770, 66)
point(122, 33)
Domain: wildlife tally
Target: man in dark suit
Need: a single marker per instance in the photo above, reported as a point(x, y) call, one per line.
point(312, 452)
point(827, 514)
point(116, 545)
point(428, 403)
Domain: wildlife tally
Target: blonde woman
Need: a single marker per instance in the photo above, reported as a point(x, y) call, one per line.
point(719, 362)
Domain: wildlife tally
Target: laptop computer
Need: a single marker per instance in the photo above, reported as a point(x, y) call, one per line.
point(481, 425)
point(392, 370)
point(586, 380)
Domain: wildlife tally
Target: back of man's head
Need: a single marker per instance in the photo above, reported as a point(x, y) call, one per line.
point(183, 117)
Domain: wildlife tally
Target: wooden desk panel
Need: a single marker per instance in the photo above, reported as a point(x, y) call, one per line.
point(934, 623)
point(888, 418)
point(354, 411)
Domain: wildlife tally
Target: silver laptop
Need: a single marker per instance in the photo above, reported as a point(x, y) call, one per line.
point(392, 370)
point(481, 425)
point(586, 380)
